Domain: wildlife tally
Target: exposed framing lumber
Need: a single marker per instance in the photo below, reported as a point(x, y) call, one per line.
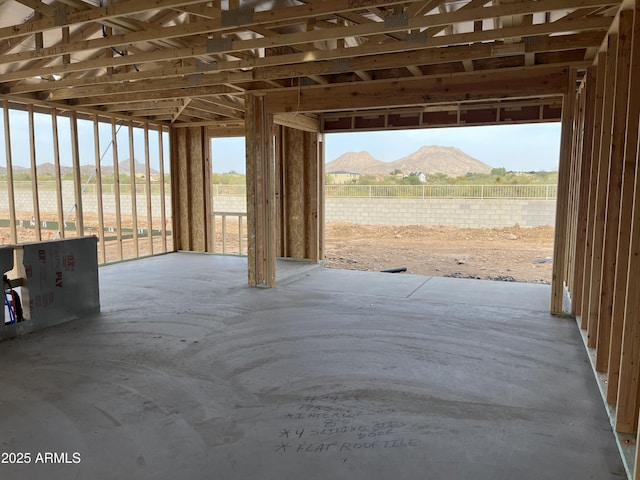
point(410, 53)
point(147, 173)
point(163, 206)
point(586, 164)
point(626, 217)
point(464, 87)
point(99, 199)
point(628, 383)
point(593, 325)
point(258, 18)
point(612, 214)
point(307, 57)
point(116, 186)
point(8, 155)
point(34, 174)
point(598, 105)
point(261, 205)
point(77, 176)
point(58, 174)
point(564, 170)
point(133, 193)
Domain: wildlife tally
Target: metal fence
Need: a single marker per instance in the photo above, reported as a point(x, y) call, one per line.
point(537, 192)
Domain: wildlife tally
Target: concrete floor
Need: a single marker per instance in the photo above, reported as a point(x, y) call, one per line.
point(188, 374)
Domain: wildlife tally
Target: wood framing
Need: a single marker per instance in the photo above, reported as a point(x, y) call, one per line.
point(8, 156)
point(628, 383)
point(77, 177)
point(56, 161)
point(192, 210)
point(261, 202)
point(560, 245)
point(612, 211)
point(298, 171)
point(116, 186)
point(99, 198)
point(133, 193)
point(626, 214)
point(34, 175)
point(593, 325)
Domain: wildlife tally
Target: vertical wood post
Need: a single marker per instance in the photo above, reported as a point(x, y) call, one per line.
point(584, 203)
point(116, 186)
point(261, 202)
point(133, 193)
point(12, 198)
point(560, 244)
point(595, 130)
point(147, 174)
point(56, 163)
point(593, 325)
point(77, 174)
point(34, 173)
point(98, 159)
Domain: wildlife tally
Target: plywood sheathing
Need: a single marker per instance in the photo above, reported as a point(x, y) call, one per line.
point(191, 193)
point(298, 203)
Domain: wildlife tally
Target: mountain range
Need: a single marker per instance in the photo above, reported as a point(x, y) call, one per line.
point(50, 169)
point(428, 159)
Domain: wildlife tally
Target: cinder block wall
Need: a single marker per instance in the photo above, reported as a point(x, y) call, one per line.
point(474, 213)
point(466, 213)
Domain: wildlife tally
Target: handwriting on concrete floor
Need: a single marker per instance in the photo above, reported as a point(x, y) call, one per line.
point(340, 424)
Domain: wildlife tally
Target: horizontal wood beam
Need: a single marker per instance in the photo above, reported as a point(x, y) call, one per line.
point(522, 83)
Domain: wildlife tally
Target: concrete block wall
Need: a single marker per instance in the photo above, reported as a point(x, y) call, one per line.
point(48, 202)
point(464, 213)
point(229, 204)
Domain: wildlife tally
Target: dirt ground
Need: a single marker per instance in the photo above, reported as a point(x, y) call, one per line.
point(507, 254)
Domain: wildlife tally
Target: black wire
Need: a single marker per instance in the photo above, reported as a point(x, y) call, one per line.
point(114, 49)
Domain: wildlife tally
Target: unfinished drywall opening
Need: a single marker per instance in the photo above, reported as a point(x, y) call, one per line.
point(471, 202)
point(229, 195)
point(65, 175)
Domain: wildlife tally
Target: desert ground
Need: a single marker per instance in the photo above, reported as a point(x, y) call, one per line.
point(507, 254)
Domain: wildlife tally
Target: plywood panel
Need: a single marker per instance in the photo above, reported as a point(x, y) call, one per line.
point(191, 191)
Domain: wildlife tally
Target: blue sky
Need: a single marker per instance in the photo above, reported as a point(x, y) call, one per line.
point(514, 147)
point(20, 152)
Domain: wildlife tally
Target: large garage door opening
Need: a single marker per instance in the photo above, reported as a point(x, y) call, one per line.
point(466, 202)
